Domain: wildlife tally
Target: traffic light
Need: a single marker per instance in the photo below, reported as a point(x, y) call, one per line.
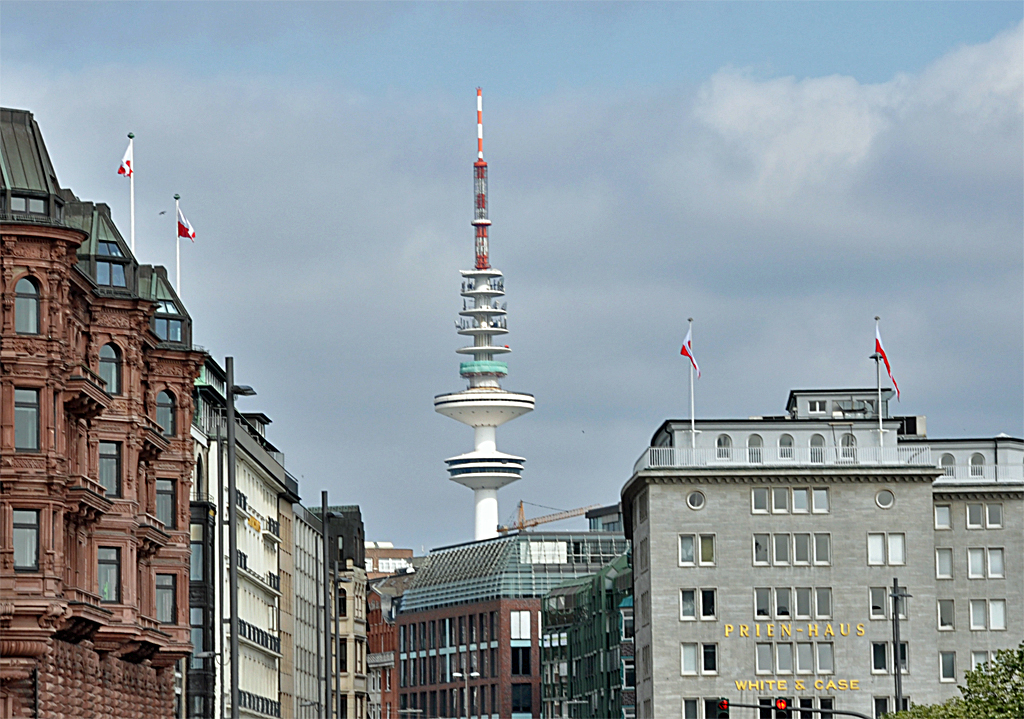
point(782, 708)
point(723, 708)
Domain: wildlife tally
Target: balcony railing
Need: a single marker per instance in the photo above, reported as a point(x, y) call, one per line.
point(982, 472)
point(732, 457)
point(241, 500)
point(274, 581)
point(259, 636)
point(274, 527)
point(262, 705)
point(243, 560)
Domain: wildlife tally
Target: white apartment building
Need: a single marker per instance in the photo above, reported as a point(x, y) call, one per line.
point(765, 551)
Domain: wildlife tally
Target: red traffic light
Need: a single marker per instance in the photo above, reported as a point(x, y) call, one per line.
point(723, 703)
point(781, 703)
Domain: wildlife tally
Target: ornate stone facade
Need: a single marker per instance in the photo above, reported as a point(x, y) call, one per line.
point(94, 490)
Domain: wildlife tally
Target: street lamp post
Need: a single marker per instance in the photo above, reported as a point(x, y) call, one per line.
point(324, 525)
point(898, 595)
point(244, 391)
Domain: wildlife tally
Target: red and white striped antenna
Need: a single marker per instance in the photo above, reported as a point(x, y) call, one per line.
point(480, 221)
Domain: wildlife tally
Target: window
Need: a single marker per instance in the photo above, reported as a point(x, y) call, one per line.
point(522, 698)
point(823, 602)
point(782, 603)
point(165, 502)
point(978, 612)
point(805, 658)
point(167, 328)
point(686, 549)
point(816, 406)
point(762, 543)
point(26, 540)
point(707, 603)
point(110, 274)
point(644, 555)
point(784, 658)
point(974, 515)
point(166, 601)
point(520, 625)
point(521, 661)
point(689, 658)
point(994, 515)
point(26, 307)
point(780, 500)
point(821, 500)
point(976, 563)
point(110, 468)
point(754, 449)
point(946, 614)
point(688, 604)
point(876, 549)
point(978, 659)
point(897, 550)
point(977, 465)
point(690, 709)
point(786, 446)
point(695, 500)
point(817, 449)
point(109, 574)
point(764, 659)
point(801, 549)
point(707, 549)
point(801, 501)
point(848, 446)
point(110, 367)
point(948, 465)
point(879, 657)
point(709, 659)
point(997, 614)
point(826, 662)
point(26, 420)
point(196, 568)
point(944, 563)
point(942, 518)
point(762, 603)
point(947, 666)
point(781, 548)
point(195, 619)
point(879, 543)
point(885, 499)
point(881, 706)
point(165, 412)
point(822, 549)
point(759, 500)
point(878, 602)
point(995, 563)
point(803, 602)
point(724, 446)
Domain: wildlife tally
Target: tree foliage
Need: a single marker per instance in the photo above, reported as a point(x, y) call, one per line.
point(994, 690)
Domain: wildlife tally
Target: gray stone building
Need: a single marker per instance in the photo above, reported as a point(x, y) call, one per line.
point(766, 548)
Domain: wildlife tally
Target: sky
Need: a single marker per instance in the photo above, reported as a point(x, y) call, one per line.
point(780, 172)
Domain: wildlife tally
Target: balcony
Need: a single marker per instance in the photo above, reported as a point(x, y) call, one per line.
point(274, 580)
point(243, 560)
point(982, 473)
point(259, 636)
point(746, 457)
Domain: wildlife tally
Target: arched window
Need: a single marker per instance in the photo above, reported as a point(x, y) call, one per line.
point(197, 483)
point(754, 445)
point(724, 445)
point(342, 602)
point(817, 449)
point(26, 307)
point(165, 412)
point(977, 465)
point(948, 465)
point(849, 447)
point(110, 367)
point(786, 446)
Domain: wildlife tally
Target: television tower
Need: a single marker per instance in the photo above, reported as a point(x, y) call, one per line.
point(484, 404)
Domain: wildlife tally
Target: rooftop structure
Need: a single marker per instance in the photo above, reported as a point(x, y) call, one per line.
point(484, 404)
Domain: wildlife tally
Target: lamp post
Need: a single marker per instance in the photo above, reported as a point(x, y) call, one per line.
point(898, 595)
point(325, 534)
point(233, 391)
point(466, 676)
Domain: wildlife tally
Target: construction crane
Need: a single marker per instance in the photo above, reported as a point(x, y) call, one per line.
point(522, 522)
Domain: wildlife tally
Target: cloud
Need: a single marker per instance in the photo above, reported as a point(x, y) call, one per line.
point(782, 213)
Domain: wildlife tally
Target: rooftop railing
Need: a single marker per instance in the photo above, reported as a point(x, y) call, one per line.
point(733, 457)
point(982, 473)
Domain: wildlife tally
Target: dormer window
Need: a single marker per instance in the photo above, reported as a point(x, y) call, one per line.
point(110, 273)
point(28, 205)
point(167, 328)
point(108, 249)
point(816, 406)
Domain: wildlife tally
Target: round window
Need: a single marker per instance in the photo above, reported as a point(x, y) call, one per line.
point(885, 499)
point(695, 500)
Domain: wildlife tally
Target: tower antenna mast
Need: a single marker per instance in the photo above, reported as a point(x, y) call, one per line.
point(480, 221)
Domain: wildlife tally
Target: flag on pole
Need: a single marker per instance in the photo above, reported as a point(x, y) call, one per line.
point(687, 350)
point(126, 162)
point(881, 351)
point(185, 227)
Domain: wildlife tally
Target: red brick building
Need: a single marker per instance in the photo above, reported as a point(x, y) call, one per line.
point(473, 612)
point(96, 373)
point(383, 597)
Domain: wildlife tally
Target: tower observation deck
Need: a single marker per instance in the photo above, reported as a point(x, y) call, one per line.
point(484, 405)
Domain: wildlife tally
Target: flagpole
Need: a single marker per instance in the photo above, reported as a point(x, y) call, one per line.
point(131, 185)
point(878, 383)
point(177, 247)
point(693, 421)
